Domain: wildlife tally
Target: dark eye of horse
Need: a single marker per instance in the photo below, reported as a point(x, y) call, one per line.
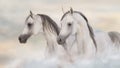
point(29, 24)
point(69, 24)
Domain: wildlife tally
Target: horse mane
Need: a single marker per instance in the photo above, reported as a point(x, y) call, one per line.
point(89, 27)
point(75, 12)
point(114, 36)
point(52, 24)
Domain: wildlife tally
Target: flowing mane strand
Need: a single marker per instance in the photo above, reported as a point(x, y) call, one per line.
point(51, 23)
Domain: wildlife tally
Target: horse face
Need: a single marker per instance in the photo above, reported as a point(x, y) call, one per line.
point(33, 25)
point(68, 27)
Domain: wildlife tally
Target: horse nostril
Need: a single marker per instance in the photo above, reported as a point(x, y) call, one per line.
point(60, 40)
point(19, 38)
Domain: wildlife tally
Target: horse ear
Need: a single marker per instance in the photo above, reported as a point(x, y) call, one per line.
point(31, 14)
point(71, 10)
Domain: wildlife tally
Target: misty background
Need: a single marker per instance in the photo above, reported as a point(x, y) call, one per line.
point(103, 15)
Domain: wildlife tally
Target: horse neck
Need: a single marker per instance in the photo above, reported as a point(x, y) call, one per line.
point(82, 29)
point(84, 40)
point(50, 36)
point(48, 29)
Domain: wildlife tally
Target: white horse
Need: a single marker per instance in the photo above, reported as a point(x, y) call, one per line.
point(36, 23)
point(89, 42)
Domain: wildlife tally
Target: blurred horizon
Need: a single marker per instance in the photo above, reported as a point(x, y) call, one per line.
point(103, 15)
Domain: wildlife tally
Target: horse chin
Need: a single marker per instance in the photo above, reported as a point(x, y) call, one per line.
point(23, 41)
point(61, 43)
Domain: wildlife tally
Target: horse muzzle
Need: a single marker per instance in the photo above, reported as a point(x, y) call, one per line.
point(23, 38)
point(60, 40)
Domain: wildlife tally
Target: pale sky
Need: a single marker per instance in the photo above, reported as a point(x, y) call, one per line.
point(14, 12)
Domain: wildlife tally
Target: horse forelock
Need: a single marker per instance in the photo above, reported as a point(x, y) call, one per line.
point(91, 33)
point(49, 24)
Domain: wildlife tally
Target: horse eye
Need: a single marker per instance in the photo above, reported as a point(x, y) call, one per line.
point(69, 24)
point(29, 24)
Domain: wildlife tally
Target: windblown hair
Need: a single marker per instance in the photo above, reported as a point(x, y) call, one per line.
point(114, 36)
point(49, 24)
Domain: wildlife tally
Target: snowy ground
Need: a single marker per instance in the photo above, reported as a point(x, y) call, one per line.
point(36, 61)
point(32, 56)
